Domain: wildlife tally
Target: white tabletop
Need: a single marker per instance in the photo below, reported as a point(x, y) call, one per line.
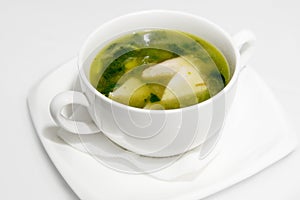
point(36, 37)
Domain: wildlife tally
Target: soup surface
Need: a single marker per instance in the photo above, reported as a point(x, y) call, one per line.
point(159, 69)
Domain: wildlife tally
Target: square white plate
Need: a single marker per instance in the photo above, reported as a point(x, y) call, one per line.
point(255, 136)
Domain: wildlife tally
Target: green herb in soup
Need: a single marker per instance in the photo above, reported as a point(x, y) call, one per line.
point(159, 69)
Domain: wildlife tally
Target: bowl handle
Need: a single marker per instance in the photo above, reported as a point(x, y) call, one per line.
point(68, 98)
point(244, 42)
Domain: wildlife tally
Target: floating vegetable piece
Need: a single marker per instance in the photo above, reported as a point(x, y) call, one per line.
point(186, 87)
point(165, 69)
point(124, 93)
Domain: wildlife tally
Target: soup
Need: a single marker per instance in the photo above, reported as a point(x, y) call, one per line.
point(159, 69)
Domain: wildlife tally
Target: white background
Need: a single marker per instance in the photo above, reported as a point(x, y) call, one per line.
point(38, 36)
